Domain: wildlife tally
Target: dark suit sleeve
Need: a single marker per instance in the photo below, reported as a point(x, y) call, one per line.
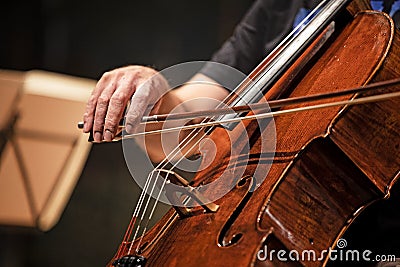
point(261, 29)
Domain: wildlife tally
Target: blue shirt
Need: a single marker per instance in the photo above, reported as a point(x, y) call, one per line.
point(376, 5)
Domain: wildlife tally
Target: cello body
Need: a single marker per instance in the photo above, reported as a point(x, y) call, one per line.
point(328, 165)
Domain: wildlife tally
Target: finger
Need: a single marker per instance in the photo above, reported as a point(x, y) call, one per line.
point(101, 111)
point(115, 111)
point(146, 98)
point(136, 110)
point(88, 116)
point(125, 89)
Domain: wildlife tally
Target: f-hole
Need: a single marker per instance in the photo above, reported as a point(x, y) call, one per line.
point(223, 239)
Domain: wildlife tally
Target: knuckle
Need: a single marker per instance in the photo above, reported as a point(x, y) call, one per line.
point(119, 100)
point(106, 75)
point(91, 102)
point(88, 113)
point(112, 118)
point(92, 98)
point(103, 101)
point(99, 120)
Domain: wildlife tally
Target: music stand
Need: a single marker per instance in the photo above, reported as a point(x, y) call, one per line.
point(42, 152)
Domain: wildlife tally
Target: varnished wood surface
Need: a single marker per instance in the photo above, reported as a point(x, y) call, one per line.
point(319, 177)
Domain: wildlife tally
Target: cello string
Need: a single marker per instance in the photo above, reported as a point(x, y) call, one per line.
point(184, 202)
point(132, 223)
point(162, 165)
point(150, 216)
point(152, 211)
point(141, 196)
point(144, 212)
point(144, 195)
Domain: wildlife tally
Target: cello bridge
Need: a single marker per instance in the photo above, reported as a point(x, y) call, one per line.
point(188, 195)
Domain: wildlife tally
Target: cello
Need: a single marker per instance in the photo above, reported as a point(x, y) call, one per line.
point(326, 167)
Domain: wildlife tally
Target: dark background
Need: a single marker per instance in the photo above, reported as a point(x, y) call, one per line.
point(87, 38)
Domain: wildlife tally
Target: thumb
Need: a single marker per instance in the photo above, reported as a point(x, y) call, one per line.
point(146, 98)
point(137, 108)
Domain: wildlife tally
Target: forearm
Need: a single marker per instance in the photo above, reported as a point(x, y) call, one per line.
point(200, 93)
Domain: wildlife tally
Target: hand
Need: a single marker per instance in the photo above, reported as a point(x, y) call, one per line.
point(106, 105)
